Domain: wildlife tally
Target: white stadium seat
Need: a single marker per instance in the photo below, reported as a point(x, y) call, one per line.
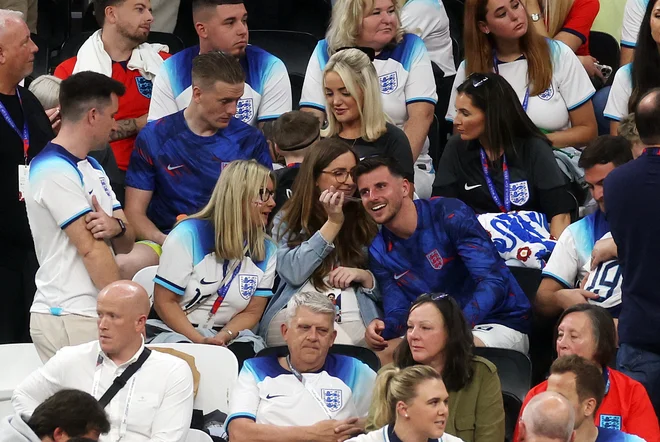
point(145, 278)
point(197, 436)
point(19, 361)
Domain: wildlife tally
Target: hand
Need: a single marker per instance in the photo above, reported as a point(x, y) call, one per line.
point(333, 202)
point(373, 337)
point(343, 277)
point(570, 297)
point(55, 118)
point(222, 339)
point(349, 428)
point(333, 430)
point(604, 250)
point(140, 122)
point(100, 223)
point(589, 65)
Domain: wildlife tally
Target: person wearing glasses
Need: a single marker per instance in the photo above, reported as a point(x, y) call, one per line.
point(549, 80)
point(405, 75)
point(217, 270)
point(438, 337)
point(500, 161)
point(323, 234)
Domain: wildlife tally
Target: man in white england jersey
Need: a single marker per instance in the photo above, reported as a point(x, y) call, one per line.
point(308, 394)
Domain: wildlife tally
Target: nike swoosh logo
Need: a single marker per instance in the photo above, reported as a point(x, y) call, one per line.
point(90, 192)
point(206, 282)
point(397, 277)
point(272, 396)
point(169, 167)
point(471, 187)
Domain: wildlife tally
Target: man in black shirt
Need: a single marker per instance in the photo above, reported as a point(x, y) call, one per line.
point(24, 131)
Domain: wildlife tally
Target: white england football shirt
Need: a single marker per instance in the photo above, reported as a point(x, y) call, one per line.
point(189, 268)
point(268, 394)
point(267, 93)
point(632, 21)
point(59, 191)
point(569, 89)
point(617, 102)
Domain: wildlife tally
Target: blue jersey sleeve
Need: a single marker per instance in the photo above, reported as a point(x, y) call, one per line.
point(261, 152)
point(141, 173)
point(395, 302)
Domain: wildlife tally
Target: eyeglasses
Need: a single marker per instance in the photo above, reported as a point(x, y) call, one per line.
point(370, 52)
point(340, 175)
point(265, 195)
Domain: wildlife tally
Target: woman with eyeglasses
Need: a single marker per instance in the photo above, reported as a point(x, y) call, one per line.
point(355, 110)
point(438, 336)
point(323, 233)
point(500, 161)
point(403, 66)
point(549, 80)
point(217, 269)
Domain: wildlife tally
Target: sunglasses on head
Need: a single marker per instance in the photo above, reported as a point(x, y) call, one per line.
point(434, 296)
point(368, 51)
point(477, 79)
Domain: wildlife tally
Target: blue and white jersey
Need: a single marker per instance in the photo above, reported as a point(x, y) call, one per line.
point(569, 89)
point(267, 93)
point(268, 394)
point(190, 268)
point(59, 192)
point(632, 21)
point(609, 435)
point(617, 101)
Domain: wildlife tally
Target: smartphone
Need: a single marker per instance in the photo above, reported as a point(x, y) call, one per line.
point(605, 70)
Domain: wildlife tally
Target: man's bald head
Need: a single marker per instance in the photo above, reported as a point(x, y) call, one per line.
point(547, 417)
point(130, 294)
point(647, 118)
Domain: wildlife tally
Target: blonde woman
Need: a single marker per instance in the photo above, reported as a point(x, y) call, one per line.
point(218, 265)
point(415, 407)
point(354, 102)
point(403, 66)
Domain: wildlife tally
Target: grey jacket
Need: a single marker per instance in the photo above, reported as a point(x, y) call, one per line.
point(14, 429)
point(296, 265)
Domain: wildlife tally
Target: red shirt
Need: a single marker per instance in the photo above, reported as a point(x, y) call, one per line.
point(626, 407)
point(579, 21)
point(133, 104)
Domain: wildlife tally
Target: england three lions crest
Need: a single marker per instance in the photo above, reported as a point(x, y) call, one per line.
point(388, 82)
point(332, 398)
point(247, 285)
point(244, 110)
point(519, 193)
point(435, 259)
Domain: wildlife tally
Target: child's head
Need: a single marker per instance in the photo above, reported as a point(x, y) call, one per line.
point(293, 132)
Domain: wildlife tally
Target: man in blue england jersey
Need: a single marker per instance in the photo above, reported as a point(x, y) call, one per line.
point(307, 395)
point(177, 160)
point(222, 26)
point(437, 245)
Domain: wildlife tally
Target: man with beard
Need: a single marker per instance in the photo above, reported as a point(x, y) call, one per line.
point(222, 26)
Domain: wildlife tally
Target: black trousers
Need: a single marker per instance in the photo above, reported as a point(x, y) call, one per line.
point(18, 267)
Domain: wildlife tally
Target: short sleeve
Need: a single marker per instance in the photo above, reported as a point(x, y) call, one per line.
point(244, 400)
point(265, 288)
point(458, 80)
point(581, 18)
point(420, 86)
point(617, 101)
point(572, 80)
point(163, 102)
point(276, 98)
point(141, 172)
point(564, 264)
point(312, 92)
point(633, 15)
point(176, 262)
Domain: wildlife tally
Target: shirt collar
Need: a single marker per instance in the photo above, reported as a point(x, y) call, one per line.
point(391, 435)
point(104, 358)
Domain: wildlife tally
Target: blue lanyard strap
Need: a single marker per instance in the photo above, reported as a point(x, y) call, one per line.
point(506, 207)
point(25, 136)
point(525, 102)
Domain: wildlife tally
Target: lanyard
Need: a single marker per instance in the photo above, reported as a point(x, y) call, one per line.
point(97, 380)
point(506, 207)
point(309, 389)
point(222, 291)
point(652, 151)
point(25, 136)
point(526, 99)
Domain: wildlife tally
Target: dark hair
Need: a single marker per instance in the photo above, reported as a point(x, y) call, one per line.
point(458, 369)
point(372, 163)
point(99, 9)
point(73, 411)
point(589, 381)
point(606, 149)
point(645, 72)
point(211, 67)
point(603, 329)
point(86, 90)
point(647, 117)
point(304, 214)
point(295, 130)
point(197, 5)
point(505, 119)
point(81, 439)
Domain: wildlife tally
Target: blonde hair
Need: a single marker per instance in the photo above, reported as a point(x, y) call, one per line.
point(47, 90)
point(230, 209)
point(555, 13)
point(359, 75)
point(346, 22)
point(398, 384)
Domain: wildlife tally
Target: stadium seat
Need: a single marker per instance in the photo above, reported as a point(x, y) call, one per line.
point(198, 436)
point(145, 278)
point(454, 10)
point(20, 361)
point(41, 59)
point(293, 48)
point(605, 48)
point(218, 369)
point(174, 43)
point(436, 145)
point(363, 354)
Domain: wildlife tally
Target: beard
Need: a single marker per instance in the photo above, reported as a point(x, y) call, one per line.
point(136, 36)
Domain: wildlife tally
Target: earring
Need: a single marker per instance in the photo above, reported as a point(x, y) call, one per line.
point(406, 416)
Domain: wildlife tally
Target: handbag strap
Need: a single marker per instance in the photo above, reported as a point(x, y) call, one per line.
point(120, 381)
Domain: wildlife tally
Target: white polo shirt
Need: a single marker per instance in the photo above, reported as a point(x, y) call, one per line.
point(633, 15)
point(569, 89)
point(158, 397)
point(189, 268)
point(428, 19)
point(617, 101)
point(59, 191)
point(268, 394)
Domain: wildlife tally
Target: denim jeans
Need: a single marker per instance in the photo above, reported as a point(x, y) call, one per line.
point(599, 101)
point(644, 367)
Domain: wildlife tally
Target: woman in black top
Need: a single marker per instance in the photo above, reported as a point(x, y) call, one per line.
point(355, 110)
point(499, 161)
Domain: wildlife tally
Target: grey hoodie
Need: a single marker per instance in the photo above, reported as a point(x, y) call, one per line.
point(15, 429)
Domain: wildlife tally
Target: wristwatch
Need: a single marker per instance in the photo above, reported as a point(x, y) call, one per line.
point(535, 17)
point(123, 228)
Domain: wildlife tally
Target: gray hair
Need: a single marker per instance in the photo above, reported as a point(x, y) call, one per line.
point(7, 15)
point(47, 90)
point(314, 301)
point(549, 415)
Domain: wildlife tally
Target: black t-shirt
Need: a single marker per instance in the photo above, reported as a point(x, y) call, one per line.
point(393, 143)
point(285, 178)
point(14, 227)
point(536, 182)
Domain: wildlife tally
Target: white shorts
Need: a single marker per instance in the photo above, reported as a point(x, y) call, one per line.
point(500, 336)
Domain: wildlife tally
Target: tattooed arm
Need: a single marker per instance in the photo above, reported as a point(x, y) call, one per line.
point(128, 128)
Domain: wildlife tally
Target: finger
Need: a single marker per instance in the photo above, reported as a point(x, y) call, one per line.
point(589, 295)
point(92, 224)
point(100, 235)
point(334, 199)
point(56, 125)
point(95, 203)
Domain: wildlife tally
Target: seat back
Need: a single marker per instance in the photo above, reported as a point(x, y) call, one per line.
point(41, 58)
point(174, 43)
point(513, 367)
point(363, 354)
point(20, 361)
point(605, 48)
point(218, 369)
point(72, 45)
point(512, 406)
point(293, 48)
point(198, 436)
point(455, 9)
point(145, 278)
